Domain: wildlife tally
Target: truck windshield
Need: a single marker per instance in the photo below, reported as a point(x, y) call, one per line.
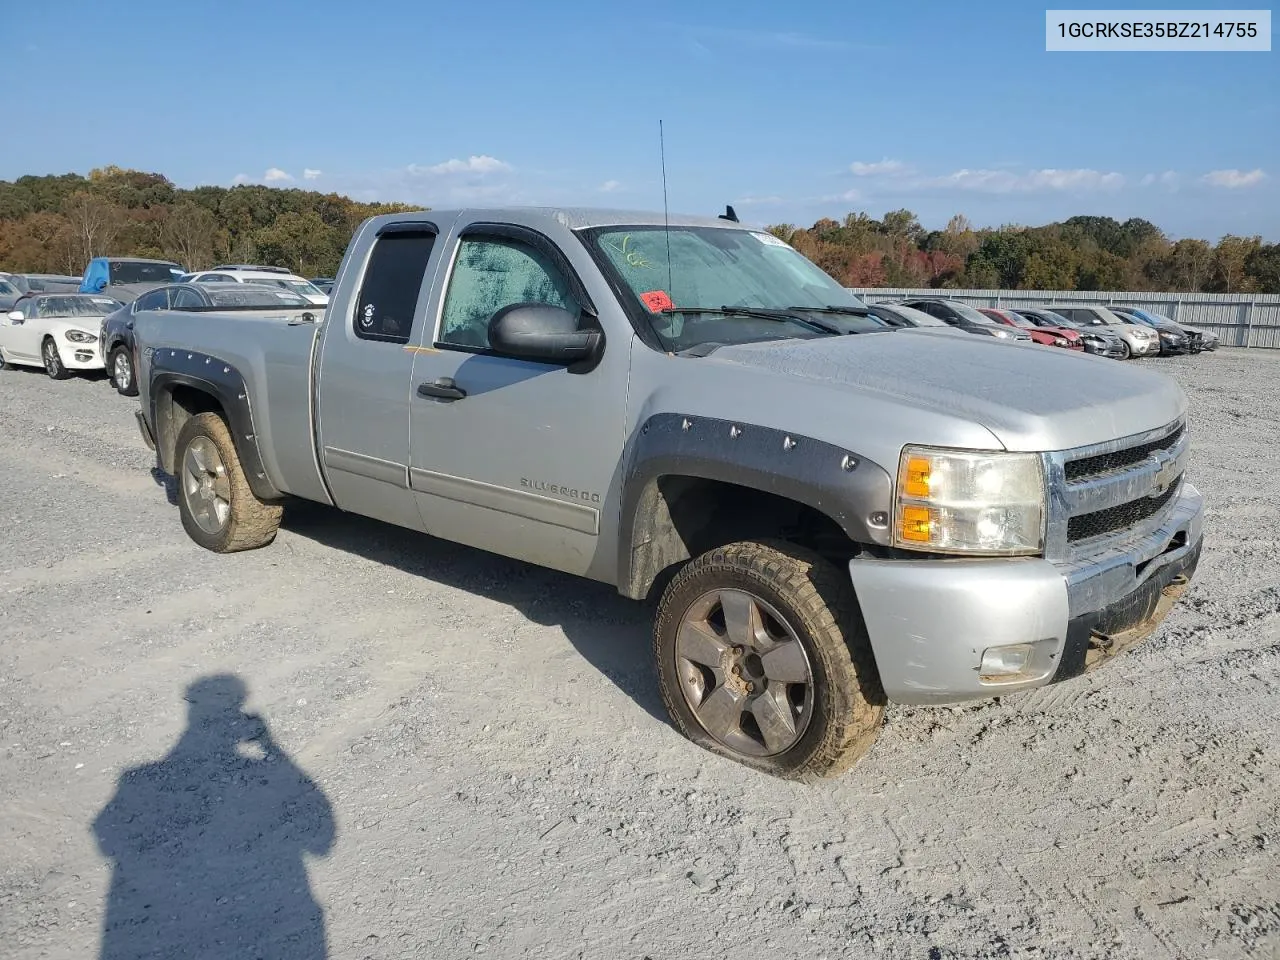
point(710, 268)
point(134, 271)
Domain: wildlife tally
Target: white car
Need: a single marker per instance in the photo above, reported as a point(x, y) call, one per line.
point(1139, 341)
point(271, 276)
point(57, 331)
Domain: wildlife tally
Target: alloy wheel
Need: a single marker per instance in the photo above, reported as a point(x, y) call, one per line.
point(744, 673)
point(205, 485)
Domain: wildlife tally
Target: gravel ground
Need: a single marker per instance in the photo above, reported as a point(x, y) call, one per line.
point(458, 754)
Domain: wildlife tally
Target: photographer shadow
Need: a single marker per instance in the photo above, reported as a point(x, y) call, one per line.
point(208, 844)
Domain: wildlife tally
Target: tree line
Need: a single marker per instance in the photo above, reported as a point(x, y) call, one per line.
point(1082, 253)
point(56, 224)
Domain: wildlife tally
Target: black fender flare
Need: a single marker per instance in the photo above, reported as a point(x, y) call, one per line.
point(225, 384)
point(837, 482)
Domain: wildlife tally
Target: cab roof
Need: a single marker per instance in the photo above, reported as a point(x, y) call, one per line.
point(574, 218)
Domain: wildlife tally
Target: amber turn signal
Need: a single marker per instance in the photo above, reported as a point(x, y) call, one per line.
point(917, 484)
point(915, 524)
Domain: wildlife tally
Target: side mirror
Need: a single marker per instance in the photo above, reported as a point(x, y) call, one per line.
point(541, 332)
point(15, 316)
point(100, 284)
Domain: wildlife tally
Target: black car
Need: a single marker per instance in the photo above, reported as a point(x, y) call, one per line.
point(1173, 338)
point(954, 313)
point(115, 342)
point(1095, 341)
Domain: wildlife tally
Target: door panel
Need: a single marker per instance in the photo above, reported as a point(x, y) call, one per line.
point(524, 463)
point(10, 336)
point(364, 386)
point(27, 336)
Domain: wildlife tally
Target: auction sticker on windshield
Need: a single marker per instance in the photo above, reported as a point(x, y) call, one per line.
point(769, 240)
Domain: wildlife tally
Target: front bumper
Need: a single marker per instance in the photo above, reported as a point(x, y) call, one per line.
point(1144, 348)
point(1170, 348)
point(80, 356)
point(931, 621)
point(1112, 349)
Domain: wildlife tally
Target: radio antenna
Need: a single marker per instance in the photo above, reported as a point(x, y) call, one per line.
point(666, 219)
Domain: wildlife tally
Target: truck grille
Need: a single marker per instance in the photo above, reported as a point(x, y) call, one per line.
point(1104, 494)
point(1115, 519)
point(1106, 463)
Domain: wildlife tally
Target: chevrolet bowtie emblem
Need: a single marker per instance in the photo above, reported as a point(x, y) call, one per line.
point(1165, 476)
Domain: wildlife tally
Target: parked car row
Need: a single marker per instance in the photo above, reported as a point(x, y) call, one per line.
point(1116, 332)
point(15, 286)
point(127, 278)
point(75, 332)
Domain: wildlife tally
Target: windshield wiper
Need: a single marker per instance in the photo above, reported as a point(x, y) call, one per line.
point(760, 313)
point(851, 310)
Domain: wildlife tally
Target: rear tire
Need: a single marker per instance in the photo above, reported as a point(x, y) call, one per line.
point(120, 369)
point(53, 360)
point(219, 509)
point(793, 691)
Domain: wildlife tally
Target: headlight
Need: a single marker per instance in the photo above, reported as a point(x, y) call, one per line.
point(79, 336)
point(969, 502)
point(1001, 333)
point(1060, 341)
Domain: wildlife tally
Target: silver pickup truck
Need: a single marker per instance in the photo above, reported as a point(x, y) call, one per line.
point(830, 514)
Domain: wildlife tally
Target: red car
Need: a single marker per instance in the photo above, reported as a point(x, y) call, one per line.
point(1049, 336)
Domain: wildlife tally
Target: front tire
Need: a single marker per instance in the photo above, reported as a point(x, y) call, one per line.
point(762, 657)
point(53, 360)
point(1127, 353)
point(219, 509)
point(121, 370)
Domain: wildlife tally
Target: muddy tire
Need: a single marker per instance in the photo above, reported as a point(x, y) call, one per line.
point(763, 658)
point(219, 510)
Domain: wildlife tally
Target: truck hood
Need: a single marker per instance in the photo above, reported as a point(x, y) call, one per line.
point(1029, 396)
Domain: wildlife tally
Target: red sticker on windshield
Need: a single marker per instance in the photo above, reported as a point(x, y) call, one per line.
point(657, 301)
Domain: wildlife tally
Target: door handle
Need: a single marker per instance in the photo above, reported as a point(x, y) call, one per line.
point(443, 389)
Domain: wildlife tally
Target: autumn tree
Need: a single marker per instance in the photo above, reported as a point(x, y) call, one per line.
point(1229, 259)
point(95, 223)
point(189, 234)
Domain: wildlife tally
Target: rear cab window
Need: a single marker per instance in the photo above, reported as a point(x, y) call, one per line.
point(392, 281)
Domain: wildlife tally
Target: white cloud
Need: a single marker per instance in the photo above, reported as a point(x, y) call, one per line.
point(849, 196)
point(1234, 179)
point(309, 174)
point(480, 179)
point(758, 201)
point(276, 175)
point(609, 186)
point(475, 164)
point(1168, 179)
point(878, 168)
point(240, 178)
point(1004, 181)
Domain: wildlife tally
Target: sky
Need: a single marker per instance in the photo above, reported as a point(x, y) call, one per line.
point(789, 111)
